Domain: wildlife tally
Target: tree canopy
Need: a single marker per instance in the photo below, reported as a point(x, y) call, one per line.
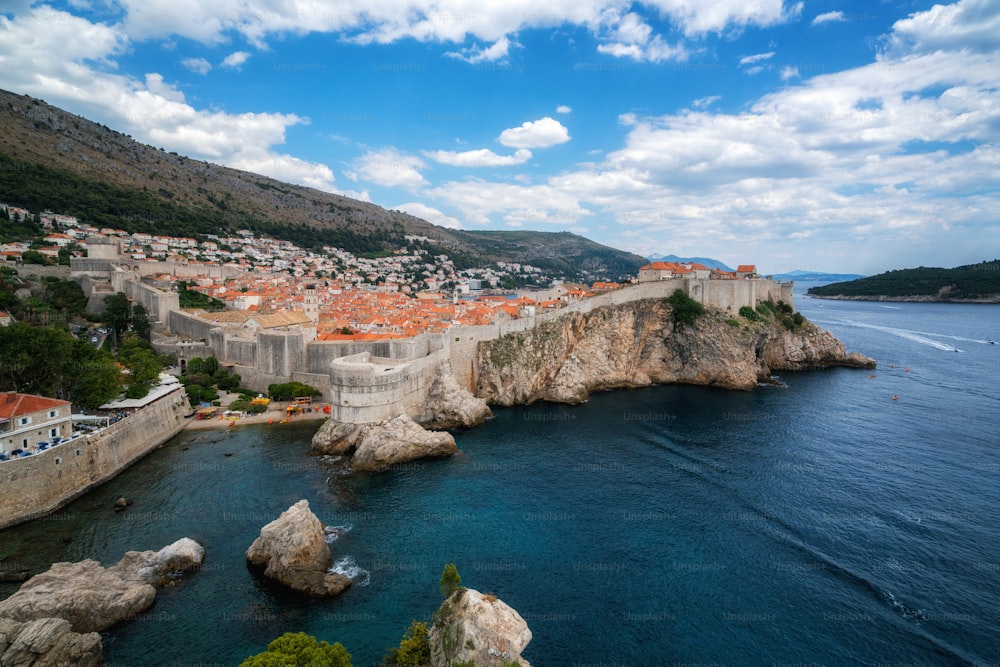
point(49, 361)
point(297, 649)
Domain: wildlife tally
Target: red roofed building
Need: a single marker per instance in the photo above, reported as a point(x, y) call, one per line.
point(26, 420)
point(746, 271)
point(657, 271)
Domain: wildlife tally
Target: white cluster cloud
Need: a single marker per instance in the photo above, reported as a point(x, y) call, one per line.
point(535, 134)
point(499, 50)
point(625, 33)
point(629, 36)
point(828, 17)
point(430, 214)
point(235, 59)
point(969, 24)
point(198, 65)
point(482, 157)
point(70, 62)
point(389, 167)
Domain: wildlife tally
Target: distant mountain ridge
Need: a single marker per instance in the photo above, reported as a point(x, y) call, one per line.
point(971, 283)
point(50, 158)
point(706, 261)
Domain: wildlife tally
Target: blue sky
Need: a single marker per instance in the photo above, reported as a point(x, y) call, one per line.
point(827, 135)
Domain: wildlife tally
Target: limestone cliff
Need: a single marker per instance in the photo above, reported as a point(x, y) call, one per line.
point(477, 628)
point(448, 405)
point(293, 550)
point(636, 344)
point(55, 617)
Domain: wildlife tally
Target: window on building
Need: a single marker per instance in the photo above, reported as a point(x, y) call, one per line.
point(24, 443)
point(58, 460)
point(53, 432)
point(24, 421)
point(53, 413)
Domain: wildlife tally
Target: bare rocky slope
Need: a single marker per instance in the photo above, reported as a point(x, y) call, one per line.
point(637, 344)
point(50, 158)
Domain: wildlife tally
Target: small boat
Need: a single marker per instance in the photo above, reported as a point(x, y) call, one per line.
point(895, 397)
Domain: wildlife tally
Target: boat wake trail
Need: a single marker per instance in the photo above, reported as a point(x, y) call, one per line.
point(915, 336)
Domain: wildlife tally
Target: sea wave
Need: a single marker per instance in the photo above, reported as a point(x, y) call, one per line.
point(334, 533)
point(348, 567)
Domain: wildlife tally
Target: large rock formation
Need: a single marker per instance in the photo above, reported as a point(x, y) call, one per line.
point(471, 626)
point(380, 445)
point(47, 642)
point(449, 406)
point(54, 618)
point(293, 550)
point(637, 344)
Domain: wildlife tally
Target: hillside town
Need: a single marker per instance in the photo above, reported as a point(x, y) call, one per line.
point(264, 283)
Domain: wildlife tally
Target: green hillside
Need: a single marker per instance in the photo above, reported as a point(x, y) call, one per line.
point(971, 282)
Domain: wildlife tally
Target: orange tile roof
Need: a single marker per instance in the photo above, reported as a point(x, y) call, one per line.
point(13, 404)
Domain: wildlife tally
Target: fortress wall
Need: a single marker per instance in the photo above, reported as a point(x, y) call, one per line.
point(38, 485)
point(320, 354)
point(158, 303)
point(368, 389)
point(185, 270)
point(238, 350)
point(94, 266)
point(280, 353)
point(185, 324)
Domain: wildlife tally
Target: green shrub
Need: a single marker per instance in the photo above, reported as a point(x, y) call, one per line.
point(288, 390)
point(685, 309)
point(414, 649)
point(450, 579)
point(749, 313)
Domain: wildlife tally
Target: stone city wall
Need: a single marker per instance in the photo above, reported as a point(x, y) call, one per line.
point(37, 485)
point(367, 389)
point(186, 270)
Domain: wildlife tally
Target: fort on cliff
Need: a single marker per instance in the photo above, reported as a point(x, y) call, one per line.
point(364, 381)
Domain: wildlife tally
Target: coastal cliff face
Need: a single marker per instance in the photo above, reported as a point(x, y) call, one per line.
point(637, 344)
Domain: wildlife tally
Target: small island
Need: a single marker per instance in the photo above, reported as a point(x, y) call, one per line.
point(971, 283)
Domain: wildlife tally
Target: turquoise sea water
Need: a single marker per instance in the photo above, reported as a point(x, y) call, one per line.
point(818, 523)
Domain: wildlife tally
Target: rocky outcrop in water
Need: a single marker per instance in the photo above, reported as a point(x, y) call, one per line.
point(636, 344)
point(293, 551)
point(381, 445)
point(54, 618)
point(471, 626)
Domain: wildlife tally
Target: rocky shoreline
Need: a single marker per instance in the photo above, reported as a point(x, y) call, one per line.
point(55, 617)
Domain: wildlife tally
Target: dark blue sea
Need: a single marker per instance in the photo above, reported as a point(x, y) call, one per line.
point(841, 519)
